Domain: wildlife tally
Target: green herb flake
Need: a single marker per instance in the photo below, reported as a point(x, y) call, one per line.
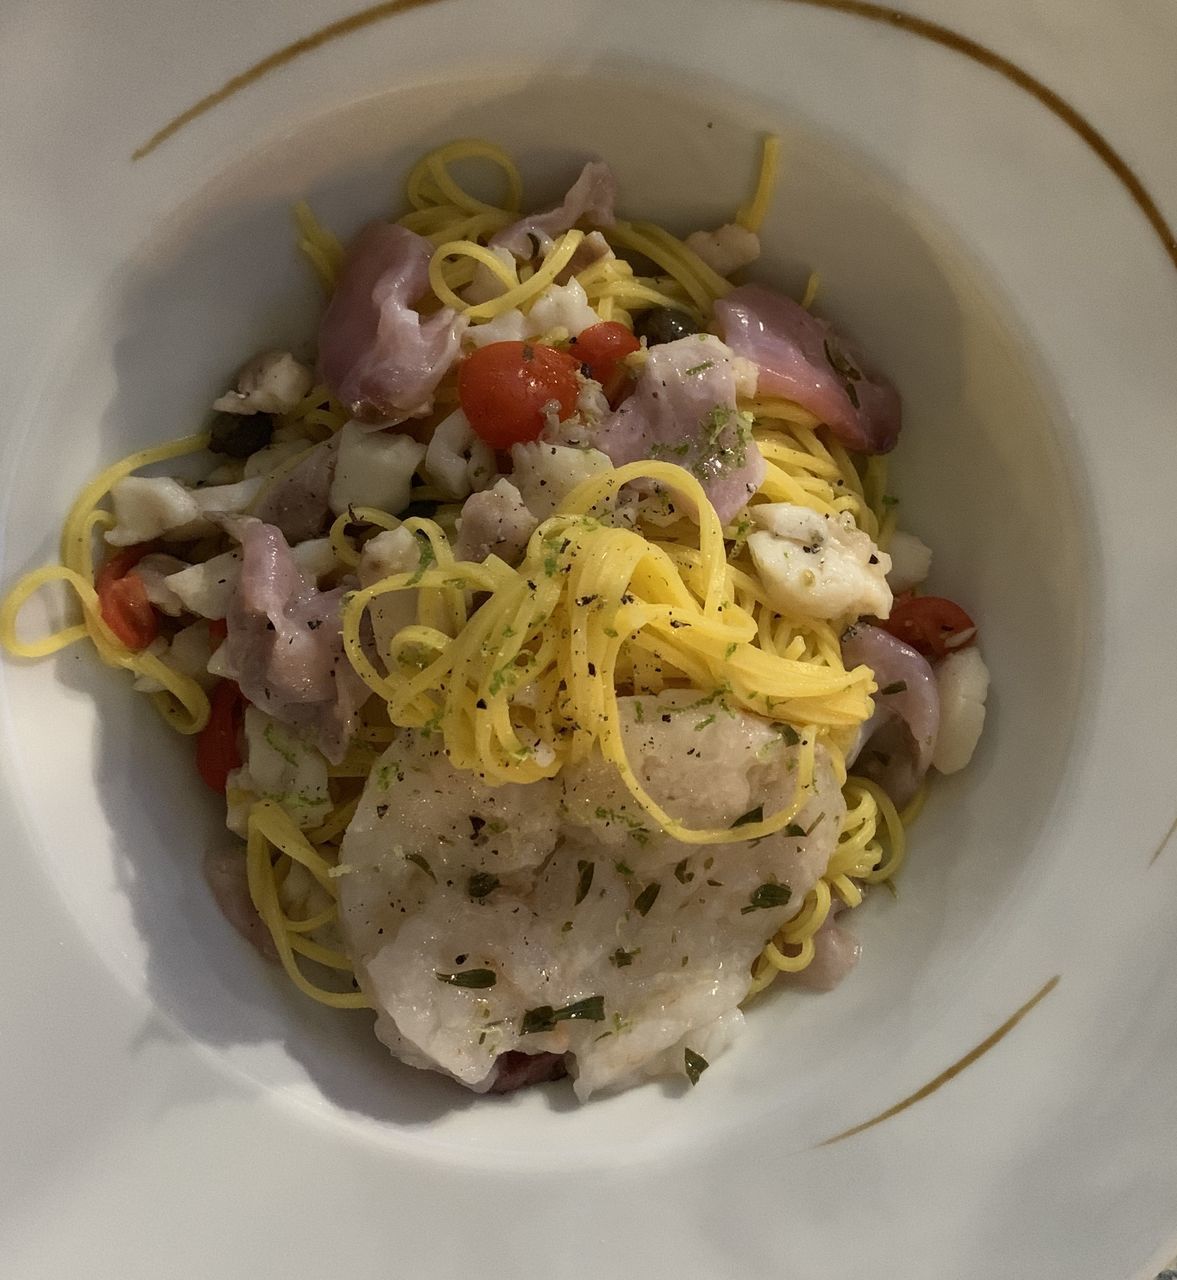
point(896, 686)
point(584, 880)
point(795, 830)
point(541, 1018)
point(753, 815)
point(727, 653)
point(474, 979)
point(622, 867)
point(622, 958)
point(427, 557)
point(889, 500)
point(480, 884)
point(695, 1064)
point(681, 874)
point(544, 1017)
point(590, 1009)
point(419, 860)
point(702, 724)
point(639, 712)
point(647, 898)
point(699, 368)
point(791, 736)
point(767, 896)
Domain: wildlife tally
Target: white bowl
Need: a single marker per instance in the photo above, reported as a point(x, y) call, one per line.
point(180, 1109)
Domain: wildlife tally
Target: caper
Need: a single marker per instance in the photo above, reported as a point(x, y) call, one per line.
point(664, 324)
point(240, 435)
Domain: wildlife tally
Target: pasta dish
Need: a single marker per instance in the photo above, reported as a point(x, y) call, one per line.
point(546, 628)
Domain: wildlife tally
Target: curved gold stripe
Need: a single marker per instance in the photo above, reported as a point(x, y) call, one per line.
point(957, 1067)
point(932, 31)
point(333, 30)
point(1059, 107)
point(1164, 842)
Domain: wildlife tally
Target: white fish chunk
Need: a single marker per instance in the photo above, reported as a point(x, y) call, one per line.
point(963, 681)
point(496, 521)
point(911, 561)
point(818, 565)
point(374, 469)
point(727, 248)
point(482, 920)
point(149, 507)
point(545, 474)
point(281, 764)
point(207, 589)
point(457, 460)
point(272, 382)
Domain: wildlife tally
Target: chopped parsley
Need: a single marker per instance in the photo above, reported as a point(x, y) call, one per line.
point(647, 898)
point(896, 686)
point(474, 979)
point(419, 860)
point(427, 557)
point(694, 1064)
point(584, 880)
point(480, 884)
point(621, 958)
point(545, 1018)
point(753, 815)
point(766, 897)
point(699, 368)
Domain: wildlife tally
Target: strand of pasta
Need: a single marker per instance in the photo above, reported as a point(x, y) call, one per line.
point(183, 703)
point(752, 214)
point(269, 827)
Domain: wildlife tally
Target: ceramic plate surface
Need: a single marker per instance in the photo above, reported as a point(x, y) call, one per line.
point(991, 1092)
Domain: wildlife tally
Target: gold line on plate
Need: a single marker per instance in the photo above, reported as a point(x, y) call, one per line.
point(288, 53)
point(1161, 847)
point(957, 1067)
point(1016, 75)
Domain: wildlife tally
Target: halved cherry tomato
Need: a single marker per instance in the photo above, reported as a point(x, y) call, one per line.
point(932, 625)
point(122, 599)
point(505, 386)
point(601, 348)
point(217, 749)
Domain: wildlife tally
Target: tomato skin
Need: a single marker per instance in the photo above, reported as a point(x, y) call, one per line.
point(930, 624)
point(217, 749)
point(122, 599)
point(504, 387)
point(601, 348)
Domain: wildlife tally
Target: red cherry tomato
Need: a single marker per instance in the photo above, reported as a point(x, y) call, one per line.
point(931, 625)
point(122, 599)
point(217, 750)
point(601, 348)
point(505, 386)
